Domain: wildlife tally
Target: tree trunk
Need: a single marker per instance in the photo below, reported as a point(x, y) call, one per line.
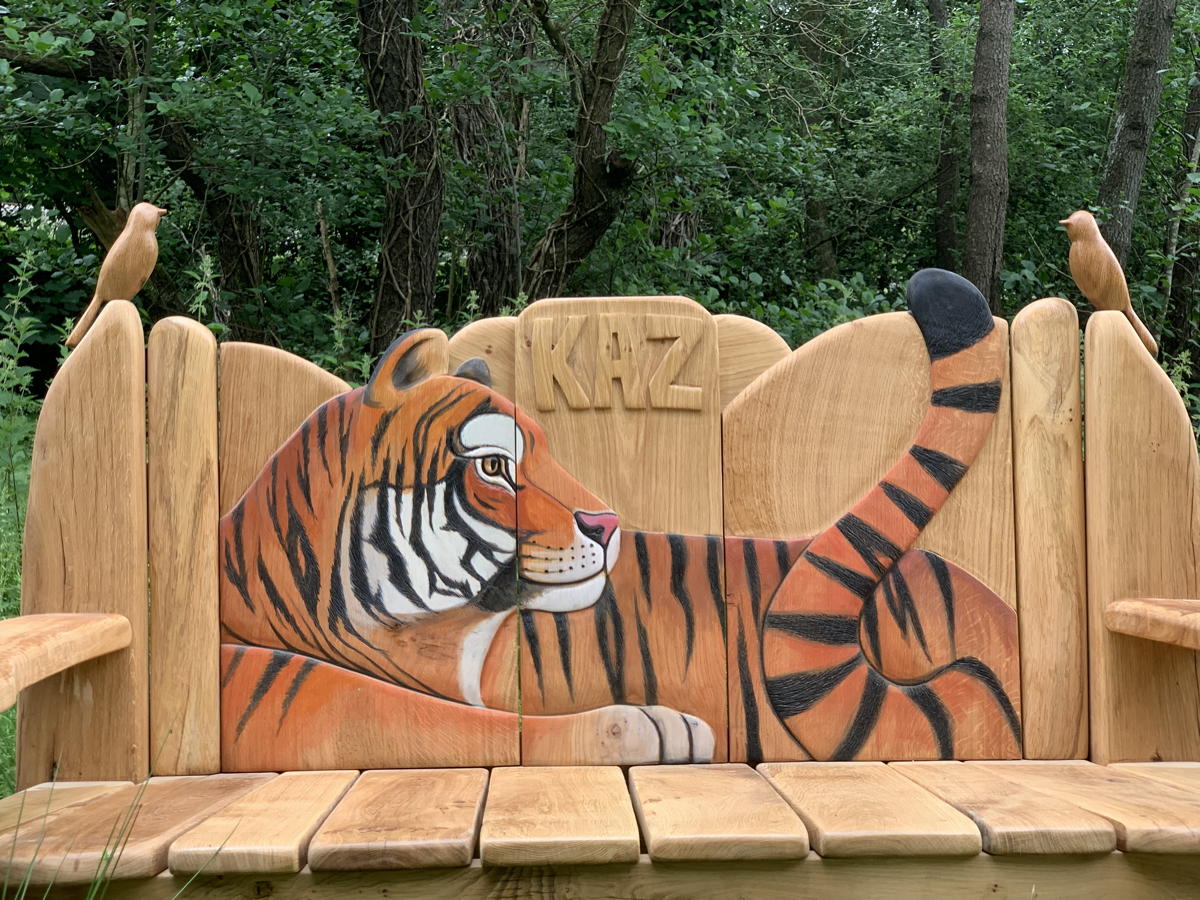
point(602, 177)
point(482, 141)
point(988, 197)
point(1133, 124)
point(947, 167)
point(392, 55)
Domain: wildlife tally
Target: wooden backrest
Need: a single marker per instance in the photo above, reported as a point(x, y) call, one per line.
point(797, 438)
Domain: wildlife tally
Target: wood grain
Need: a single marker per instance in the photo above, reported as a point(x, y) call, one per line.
point(85, 551)
point(420, 818)
point(266, 830)
point(72, 846)
point(494, 341)
point(713, 812)
point(36, 804)
point(747, 348)
point(628, 393)
point(1127, 876)
point(35, 647)
point(1012, 818)
point(1143, 525)
point(1175, 622)
point(181, 363)
point(1051, 557)
point(558, 816)
point(1149, 816)
point(807, 440)
point(1184, 775)
point(263, 396)
point(866, 809)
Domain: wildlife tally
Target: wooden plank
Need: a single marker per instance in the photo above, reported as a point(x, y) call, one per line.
point(38, 803)
point(713, 812)
point(1149, 817)
point(75, 844)
point(1184, 775)
point(746, 348)
point(803, 444)
point(865, 809)
point(494, 341)
point(558, 816)
point(1143, 525)
point(263, 395)
point(266, 830)
point(627, 394)
point(1127, 876)
point(38, 646)
point(1174, 622)
point(1051, 558)
point(85, 551)
point(1011, 817)
point(420, 818)
point(181, 362)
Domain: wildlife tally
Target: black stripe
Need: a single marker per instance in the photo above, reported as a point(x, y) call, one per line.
point(302, 465)
point(754, 753)
point(643, 561)
point(322, 435)
point(800, 691)
point(980, 671)
point(712, 564)
point(855, 582)
point(562, 630)
point(973, 398)
point(868, 543)
point(227, 675)
point(278, 660)
point(945, 470)
point(864, 720)
point(941, 572)
point(820, 628)
point(294, 688)
point(914, 510)
point(750, 560)
point(781, 558)
point(939, 719)
point(649, 678)
point(529, 626)
point(611, 644)
point(381, 428)
point(870, 624)
point(904, 610)
point(662, 744)
point(679, 559)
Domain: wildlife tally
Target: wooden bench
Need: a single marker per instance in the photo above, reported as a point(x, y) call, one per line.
point(861, 597)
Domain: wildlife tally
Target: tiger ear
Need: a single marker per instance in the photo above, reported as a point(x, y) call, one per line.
point(412, 358)
point(475, 369)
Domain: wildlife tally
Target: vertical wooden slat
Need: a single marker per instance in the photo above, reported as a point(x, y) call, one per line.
point(1051, 562)
point(494, 341)
point(264, 395)
point(85, 551)
point(746, 348)
point(182, 469)
point(1143, 527)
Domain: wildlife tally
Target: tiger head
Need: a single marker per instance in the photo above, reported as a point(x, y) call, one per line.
point(459, 494)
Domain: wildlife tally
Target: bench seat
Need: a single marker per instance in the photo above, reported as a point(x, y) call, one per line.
point(796, 829)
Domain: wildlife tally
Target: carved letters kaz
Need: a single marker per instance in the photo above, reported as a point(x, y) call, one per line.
point(571, 551)
point(585, 354)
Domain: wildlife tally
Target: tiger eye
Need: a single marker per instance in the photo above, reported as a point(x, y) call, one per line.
point(493, 465)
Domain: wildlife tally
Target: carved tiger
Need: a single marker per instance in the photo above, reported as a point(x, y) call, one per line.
point(375, 575)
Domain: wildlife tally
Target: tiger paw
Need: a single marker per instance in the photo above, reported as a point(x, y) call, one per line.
point(617, 735)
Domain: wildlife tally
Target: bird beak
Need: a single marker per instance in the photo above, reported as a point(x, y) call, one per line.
point(1062, 221)
point(161, 211)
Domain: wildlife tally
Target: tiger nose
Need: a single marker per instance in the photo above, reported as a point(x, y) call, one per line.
point(600, 526)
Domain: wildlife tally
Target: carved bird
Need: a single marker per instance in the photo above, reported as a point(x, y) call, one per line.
point(1097, 273)
point(127, 266)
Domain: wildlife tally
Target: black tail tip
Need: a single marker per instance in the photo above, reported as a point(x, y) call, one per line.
point(949, 310)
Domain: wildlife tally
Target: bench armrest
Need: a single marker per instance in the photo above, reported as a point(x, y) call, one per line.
point(36, 647)
point(1174, 622)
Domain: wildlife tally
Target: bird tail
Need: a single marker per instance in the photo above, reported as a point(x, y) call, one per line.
point(84, 323)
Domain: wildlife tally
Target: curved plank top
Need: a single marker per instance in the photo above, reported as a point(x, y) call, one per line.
point(494, 341)
point(36, 647)
point(746, 348)
point(262, 397)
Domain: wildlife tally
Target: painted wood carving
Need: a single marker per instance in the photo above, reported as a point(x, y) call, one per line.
point(425, 561)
